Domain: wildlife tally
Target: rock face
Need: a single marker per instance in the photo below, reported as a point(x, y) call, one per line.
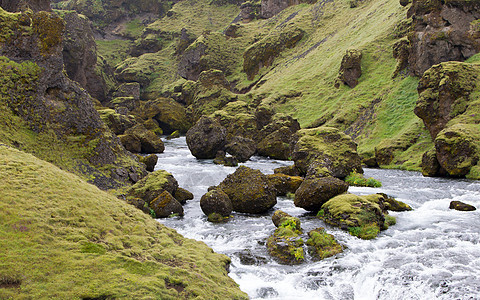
point(269, 8)
point(326, 151)
point(169, 114)
point(149, 141)
point(450, 113)
point(153, 185)
point(216, 201)
point(285, 184)
point(313, 193)
point(205, 138)
point(79, 55)
point(350, 68)
point(59, 104)
point(249, 190)
point(262, 53)
point(21, 5)
point(443, 31)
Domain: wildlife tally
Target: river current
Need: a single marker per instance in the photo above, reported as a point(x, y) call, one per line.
point(431, 253)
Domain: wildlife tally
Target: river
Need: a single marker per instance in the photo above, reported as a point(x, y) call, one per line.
point(431, 253)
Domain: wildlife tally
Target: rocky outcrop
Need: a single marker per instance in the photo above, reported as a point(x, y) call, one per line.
point(350, 68)
point(149, 141)
point(443, 31)
point(57, 104)
point(285, 184)
point(249, 190)
point(150, 161)
point(326, 151)
point(313, 193)
point(206, 138)
point(80, 56)
point(117, 123)
point(154, 184)
point(22, 5)
point(169, 114)
point(269, 8)
point(165, 205)
point(262, 53)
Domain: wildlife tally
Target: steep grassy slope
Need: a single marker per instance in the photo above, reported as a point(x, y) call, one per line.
point(65, 239)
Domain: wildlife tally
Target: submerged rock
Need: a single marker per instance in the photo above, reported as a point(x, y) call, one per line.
point(322, 245)
point(206, 138)
point(286, 244)
point(458, 205)
point(313, 193)
point(249, 190)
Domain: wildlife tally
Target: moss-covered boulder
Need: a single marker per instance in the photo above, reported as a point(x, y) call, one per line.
point(350, 68)
point(361, 216)
point(285, 184)
point(277, 145)
point(430, 165)
point(154, 184)
point(288, 170)
point(314, 192)
point(22, 5)
point(322, 244)
point(222, 159)
point(279, 216)
point(182, 195)
point(118, 123)
point(216, 201)
point(285, 245)
point(324, 151)
point(131, 143)
point(169, 114)
point(458, 148)
point(165, 205)
point(149, 160)
point(393, 204)
point(128, 90)
point(444, 93)
point(238, 120)
point(458, 205)
point(206, 138)
point(249, 190)
point(150, 142)
point(241, 148)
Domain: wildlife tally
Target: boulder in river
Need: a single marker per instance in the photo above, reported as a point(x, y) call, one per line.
point(151, 186)
point(458, 205)
point(165, 205)
point(285, 184)
point(249, 190)
point(322, 244)
point(286, 244)
point(216, 201)
point(206, 138)
point(314, 192)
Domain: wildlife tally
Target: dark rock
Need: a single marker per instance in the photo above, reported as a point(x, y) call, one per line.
point(131, 143)
point(191, 64)
point(205, 138)
point(150, 161)
point(216, 201)
point(285, 184)
point(249, 11)
point(285, 245)
point(290, 171)
point(169, 114)
point(130, 103)
point(150, 142)
point(182, 195)
point(152, 125)
point(313, 193)
point(270, 8)
point(231, 30)
point(154, 184)
point(222, 159)
point(430, 165)
point(241, 148)
point(140, 204)
point(443, 31)
point(326, 151)
point(185, 40)
point(405, 2)
point(392, 204)
point(131, 89)
point(250, 259)
point(350, 68)
point(458, 205)
point(322, 244)
point(166, 205)
point(277, 145)
point(22, 5)
point(118, 123)
point(249, 190)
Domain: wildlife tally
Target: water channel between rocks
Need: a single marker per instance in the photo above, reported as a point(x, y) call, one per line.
point(431, 253)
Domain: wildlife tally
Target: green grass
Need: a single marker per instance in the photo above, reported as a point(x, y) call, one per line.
point(357, 179)
point(63, 238)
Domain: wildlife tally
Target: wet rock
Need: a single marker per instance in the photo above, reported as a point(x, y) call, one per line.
point(241, 148)
point(288, 170)
point(313, 193)
point(279, 217)
point(150, 142)
point(392, 204)
point(361, 216)
point(322, 244)
point(249, 190)
point(430, 165)
point(222, 159)
point(350, 68)
point(166, 205)
point(285, 245)
point(458, 205)
point(182, 195)
point(216, 201)
point(154, 184)
point(250, 259)
point(206, 138)
point(285, 184)
point(326, 151)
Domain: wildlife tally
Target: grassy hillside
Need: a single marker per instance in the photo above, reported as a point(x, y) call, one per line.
point(63, 238)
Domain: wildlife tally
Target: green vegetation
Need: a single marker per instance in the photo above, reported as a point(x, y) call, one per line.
point(63, 238)
point(324, 244)
point(366, 231)
point(357, 179)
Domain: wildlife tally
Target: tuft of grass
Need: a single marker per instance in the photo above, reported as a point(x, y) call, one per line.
point(357, 179)
point(366, 231)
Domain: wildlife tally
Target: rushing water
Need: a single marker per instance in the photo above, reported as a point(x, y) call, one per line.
point(431, 253)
